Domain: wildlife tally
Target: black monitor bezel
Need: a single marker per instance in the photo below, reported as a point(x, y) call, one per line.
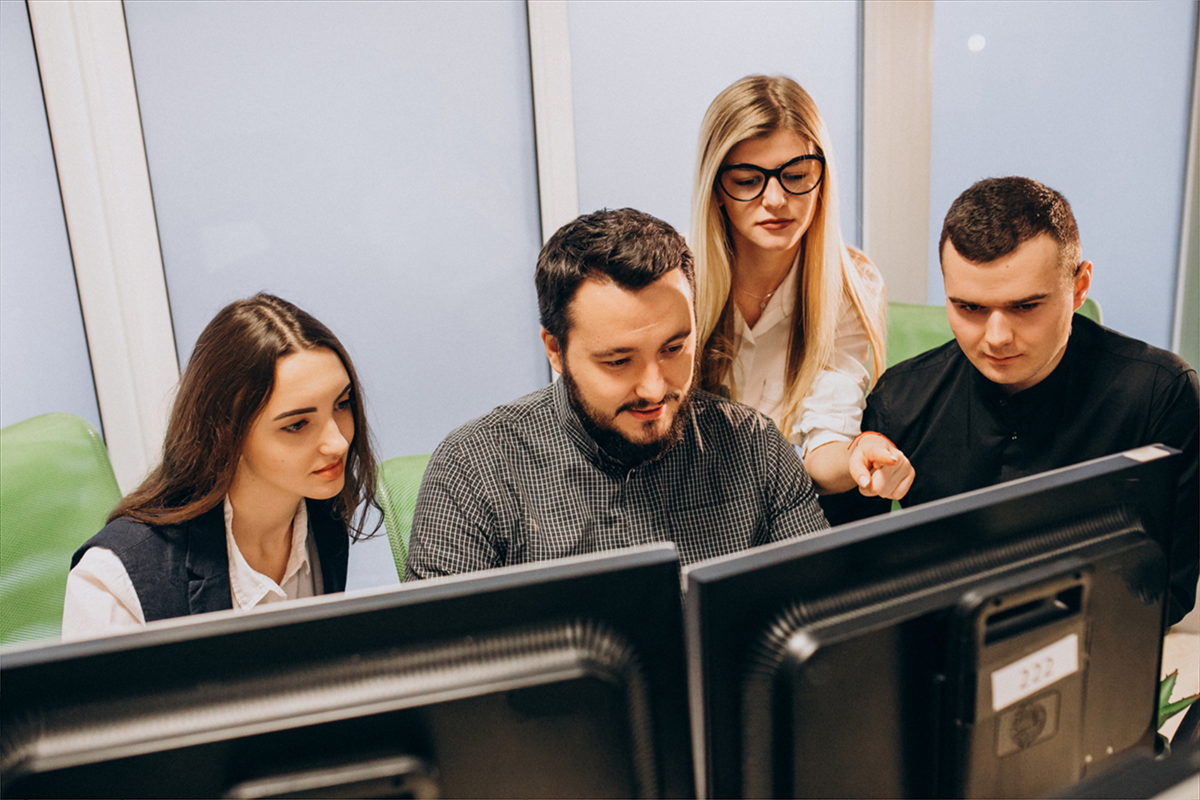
point(170, 656)
point(726, 597)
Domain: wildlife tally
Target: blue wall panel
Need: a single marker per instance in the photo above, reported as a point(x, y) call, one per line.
point(44, 363)
point(371, 162)
point(644, 73)
point(1090, 98)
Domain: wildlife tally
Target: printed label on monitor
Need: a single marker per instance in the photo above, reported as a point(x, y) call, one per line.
point(1035, 672)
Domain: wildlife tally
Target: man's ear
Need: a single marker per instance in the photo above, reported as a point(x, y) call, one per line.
point(1083, 283)
point(553, 351)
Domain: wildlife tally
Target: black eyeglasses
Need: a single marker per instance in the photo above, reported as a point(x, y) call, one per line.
point(746, 182)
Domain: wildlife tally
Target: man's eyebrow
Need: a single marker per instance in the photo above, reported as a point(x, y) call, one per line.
point(617, 351)
point(683, 333)
point(1033, 298)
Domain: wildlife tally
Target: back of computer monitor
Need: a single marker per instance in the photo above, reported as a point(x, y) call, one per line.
point(553, 680)
point(1000, 644)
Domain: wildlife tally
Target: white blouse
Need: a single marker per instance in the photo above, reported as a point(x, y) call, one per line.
point(833, 410)
point(101, 599)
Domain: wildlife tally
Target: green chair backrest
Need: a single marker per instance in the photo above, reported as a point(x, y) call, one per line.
point(1091, 310)
point(915, 328)
point(398, 481)
point(56, 490)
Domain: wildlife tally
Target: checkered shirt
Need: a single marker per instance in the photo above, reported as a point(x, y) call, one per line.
point(527, 483)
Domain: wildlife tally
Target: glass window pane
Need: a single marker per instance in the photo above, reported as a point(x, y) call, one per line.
point(44, 362)
point(1061, 92)
point(644, 73)
point(371, 162)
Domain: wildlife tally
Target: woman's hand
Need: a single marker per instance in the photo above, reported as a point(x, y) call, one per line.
point(879, 468)
point(871, 463)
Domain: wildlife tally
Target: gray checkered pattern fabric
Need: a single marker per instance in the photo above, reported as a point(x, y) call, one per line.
point(526, 483)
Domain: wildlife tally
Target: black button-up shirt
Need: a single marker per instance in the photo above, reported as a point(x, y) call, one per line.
point(526, 483)
point(1109, 393)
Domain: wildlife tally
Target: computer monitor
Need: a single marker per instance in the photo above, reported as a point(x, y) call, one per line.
point(1002, 643)
point(559, 679)
point(1173, 775)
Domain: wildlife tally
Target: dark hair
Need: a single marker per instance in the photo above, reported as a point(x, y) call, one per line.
point(995, 216)
point(225, 386)
point(626, 246)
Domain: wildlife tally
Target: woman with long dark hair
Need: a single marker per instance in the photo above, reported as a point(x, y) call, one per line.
point(266, 473)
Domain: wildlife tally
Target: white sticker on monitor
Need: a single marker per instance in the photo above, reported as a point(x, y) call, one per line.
point(1147, 453)
point(1035, 672)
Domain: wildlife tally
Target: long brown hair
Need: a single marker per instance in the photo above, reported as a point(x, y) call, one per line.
point(753, 107)
point(224, 388)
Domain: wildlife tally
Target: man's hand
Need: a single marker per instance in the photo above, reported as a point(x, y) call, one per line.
point(879, 468)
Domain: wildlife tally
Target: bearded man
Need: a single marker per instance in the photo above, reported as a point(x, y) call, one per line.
point(624, 450)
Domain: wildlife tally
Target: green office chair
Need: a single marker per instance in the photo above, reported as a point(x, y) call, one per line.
point(398, 480)
point(56, 489)
point(1091, 310)
point(915, 328)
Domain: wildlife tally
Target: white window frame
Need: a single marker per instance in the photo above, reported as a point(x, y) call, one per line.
point(897, 118)
point(95, 129)
point(1188, 258)
point(553, 113)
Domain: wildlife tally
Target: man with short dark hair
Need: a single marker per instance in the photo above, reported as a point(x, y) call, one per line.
point(1027, 385)
point(624, 449)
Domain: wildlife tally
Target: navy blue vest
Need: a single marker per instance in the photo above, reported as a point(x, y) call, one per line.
point(183, 569)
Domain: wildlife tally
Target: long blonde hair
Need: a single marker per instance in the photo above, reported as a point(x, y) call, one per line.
point(757, 106)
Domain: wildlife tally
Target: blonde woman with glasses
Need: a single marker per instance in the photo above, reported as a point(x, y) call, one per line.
point(792, 320)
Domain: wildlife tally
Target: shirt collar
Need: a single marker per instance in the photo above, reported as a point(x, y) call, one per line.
point(1038, 399)
point(250, 586)
point(570, 420)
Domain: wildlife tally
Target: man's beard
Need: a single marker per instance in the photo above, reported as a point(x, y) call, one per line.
point(605, 433)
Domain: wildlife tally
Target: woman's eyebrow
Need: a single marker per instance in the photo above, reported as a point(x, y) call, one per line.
point(349, 386)
point(294, 413)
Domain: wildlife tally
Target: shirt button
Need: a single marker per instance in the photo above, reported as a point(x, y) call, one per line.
point(1014, 436)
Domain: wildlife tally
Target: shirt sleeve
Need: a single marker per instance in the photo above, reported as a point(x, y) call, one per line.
point(791, 508)
point(853, 505)
point(100, 598)
point(454, 527)
point(833, 410)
